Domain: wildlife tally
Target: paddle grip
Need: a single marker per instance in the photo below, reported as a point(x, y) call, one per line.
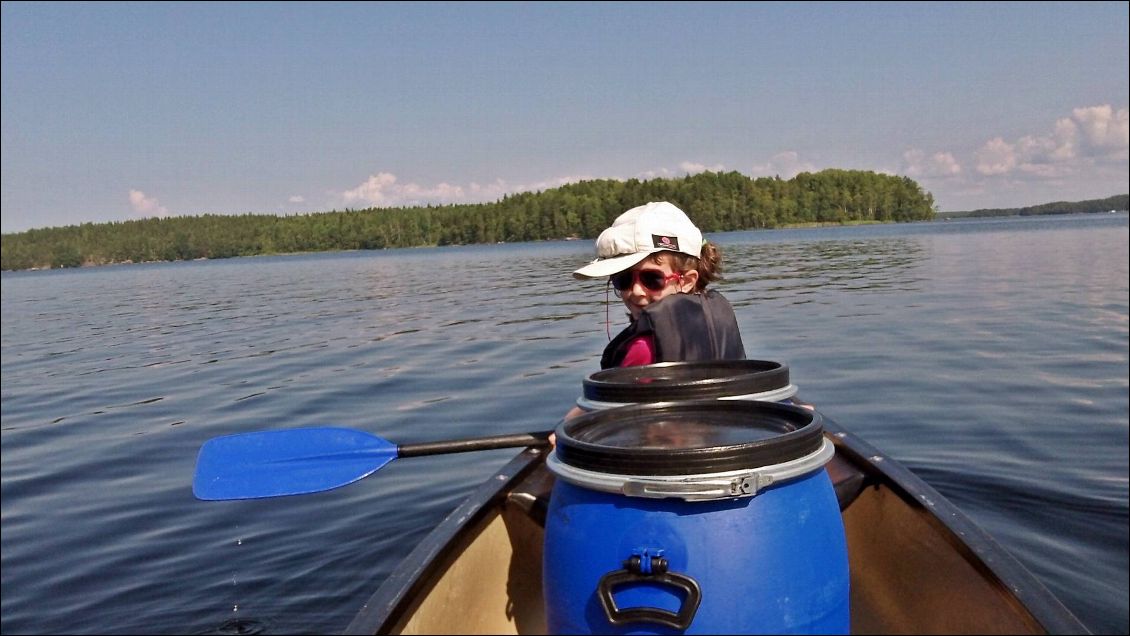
point(517, 440)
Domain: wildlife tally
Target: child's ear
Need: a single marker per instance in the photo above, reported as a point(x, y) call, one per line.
point(689, 281)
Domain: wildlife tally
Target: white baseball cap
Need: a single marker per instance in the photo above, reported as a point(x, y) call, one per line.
point(640, 232)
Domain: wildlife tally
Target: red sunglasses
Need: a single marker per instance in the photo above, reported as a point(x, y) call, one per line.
point(652, 280)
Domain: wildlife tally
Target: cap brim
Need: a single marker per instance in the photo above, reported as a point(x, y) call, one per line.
point(602, 267)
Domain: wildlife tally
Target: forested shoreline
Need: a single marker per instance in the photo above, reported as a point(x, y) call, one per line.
point(715, 201)
point(1115, 203)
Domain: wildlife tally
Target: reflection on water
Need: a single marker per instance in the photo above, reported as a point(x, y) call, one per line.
point(789, 271)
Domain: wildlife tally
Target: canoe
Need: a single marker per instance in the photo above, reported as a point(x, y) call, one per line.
point(917, 563)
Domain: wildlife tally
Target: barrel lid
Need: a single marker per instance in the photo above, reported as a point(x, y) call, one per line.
point(673, 381)
point(688, 438)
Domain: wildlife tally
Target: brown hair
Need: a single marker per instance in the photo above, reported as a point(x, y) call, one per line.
point(709, 266)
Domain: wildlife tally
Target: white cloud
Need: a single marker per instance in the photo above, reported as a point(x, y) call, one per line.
point(691, 167)
point(384, 189)
point(1104, 131)
point(1078, 156)
point(685, 168)
point(297, 199)
point(658, 173)
point(1091, 135)
point(555, 182)
point(146, 206)
point(372, 191)
point(785, 164)
point(937, 165)
point(997, 156)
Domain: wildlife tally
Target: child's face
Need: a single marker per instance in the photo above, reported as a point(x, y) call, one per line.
point(650, 281)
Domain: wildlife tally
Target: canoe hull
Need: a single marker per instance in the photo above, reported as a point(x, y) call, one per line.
point(917, 564)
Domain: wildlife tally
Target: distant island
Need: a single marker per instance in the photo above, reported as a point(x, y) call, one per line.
point(717, 201)
point(1109, 204)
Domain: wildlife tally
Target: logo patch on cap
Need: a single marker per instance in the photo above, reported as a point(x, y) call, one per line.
point(665, 242)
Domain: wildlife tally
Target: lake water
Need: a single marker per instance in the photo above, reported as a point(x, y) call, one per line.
point(989, 356)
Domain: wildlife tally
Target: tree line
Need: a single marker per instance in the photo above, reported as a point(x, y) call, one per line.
point(715, 201)
point(1117, 202)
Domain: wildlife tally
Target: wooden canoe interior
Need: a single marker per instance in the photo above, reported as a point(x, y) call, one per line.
point(912, 578)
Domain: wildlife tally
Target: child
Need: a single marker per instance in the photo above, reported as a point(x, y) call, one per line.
point(657, 262)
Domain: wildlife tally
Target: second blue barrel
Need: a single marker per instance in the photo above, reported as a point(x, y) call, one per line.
point(762, 380)
point(697, 517)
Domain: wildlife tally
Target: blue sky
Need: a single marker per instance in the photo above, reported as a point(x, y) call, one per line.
point(116, 111)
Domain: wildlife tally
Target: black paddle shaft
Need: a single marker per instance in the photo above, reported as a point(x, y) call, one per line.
point(482, 443)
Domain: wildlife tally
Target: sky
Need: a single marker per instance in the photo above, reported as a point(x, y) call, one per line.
point(119, 111)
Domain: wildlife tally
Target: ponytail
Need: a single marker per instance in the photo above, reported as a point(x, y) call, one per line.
point(708, 266)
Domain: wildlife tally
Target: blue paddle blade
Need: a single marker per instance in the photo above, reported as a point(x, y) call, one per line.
point(287, 462)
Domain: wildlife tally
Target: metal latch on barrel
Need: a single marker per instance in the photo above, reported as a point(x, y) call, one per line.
point(746, 485)
point(749, 485)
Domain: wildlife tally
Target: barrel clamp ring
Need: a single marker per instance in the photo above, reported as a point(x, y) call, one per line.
point(702, 487)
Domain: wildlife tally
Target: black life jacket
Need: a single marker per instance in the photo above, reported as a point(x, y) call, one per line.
point(686, 328)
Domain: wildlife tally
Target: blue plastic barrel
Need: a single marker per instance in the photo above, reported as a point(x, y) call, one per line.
point(696, 517)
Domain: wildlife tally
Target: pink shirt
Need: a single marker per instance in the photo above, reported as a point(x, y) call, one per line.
point(640, 351)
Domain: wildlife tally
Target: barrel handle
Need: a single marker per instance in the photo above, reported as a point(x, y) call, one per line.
point(656, 574)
